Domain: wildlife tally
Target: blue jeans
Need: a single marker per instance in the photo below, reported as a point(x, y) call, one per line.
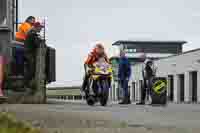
point(19, 56)
point(124, 85)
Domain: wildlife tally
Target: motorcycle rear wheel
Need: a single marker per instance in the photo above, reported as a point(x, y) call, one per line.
point(90, 100)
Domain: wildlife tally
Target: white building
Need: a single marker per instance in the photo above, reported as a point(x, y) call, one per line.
point(182, 72)
point(182, 69)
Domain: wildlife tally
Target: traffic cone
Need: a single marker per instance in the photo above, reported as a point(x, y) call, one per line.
point(1, 75)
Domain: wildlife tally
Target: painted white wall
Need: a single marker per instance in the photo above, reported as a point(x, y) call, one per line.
point(172, 65)
point(175, 65)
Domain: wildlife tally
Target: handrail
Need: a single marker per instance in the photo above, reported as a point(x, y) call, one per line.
point(20, 44)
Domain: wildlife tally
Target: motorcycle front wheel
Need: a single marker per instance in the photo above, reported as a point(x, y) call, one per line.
point(104, 93)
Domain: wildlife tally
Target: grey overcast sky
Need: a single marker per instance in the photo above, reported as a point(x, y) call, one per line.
point(74, 26)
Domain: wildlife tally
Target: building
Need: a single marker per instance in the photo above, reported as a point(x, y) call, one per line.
point(183, 74)
point(135, 51)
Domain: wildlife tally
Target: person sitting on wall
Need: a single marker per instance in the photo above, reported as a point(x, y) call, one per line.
point(31, 44)
point(24, 29)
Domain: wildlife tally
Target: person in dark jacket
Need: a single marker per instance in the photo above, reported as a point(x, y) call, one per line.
point(31, 45)
point(148, 73)
point(124, 74)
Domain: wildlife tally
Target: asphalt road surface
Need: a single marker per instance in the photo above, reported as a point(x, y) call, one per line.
point(80, 118)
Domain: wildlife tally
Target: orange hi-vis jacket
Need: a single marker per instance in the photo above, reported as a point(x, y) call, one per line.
point(23, 29)
point(93, 57)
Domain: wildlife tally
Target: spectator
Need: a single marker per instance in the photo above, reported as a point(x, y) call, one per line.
point(124, 74)
point(21, 36)
point(25, 28)
point(148, 73)
point(31, 44)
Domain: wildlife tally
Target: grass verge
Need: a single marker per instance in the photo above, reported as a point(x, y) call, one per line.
point(9, 124)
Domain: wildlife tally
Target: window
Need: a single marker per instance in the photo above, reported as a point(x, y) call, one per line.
point(194, 85)
point(130, 50)
point(3, 13)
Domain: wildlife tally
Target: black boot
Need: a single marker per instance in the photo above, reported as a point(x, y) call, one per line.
point(140, 103)
point(122, 102)
point(128, 98)
point(128, 101)
point(125, 101)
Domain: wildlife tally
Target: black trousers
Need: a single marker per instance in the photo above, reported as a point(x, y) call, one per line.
point(146, 88)
point(124, 86)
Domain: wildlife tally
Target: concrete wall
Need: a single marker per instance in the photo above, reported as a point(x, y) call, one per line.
point(179, 64)
point(6, 27)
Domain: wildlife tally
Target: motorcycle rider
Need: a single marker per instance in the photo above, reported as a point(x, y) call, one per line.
point(97, 53)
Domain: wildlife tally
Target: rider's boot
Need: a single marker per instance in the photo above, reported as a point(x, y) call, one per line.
point(83, 87)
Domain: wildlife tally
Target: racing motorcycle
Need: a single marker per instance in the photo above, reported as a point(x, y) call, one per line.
point(99, 83)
